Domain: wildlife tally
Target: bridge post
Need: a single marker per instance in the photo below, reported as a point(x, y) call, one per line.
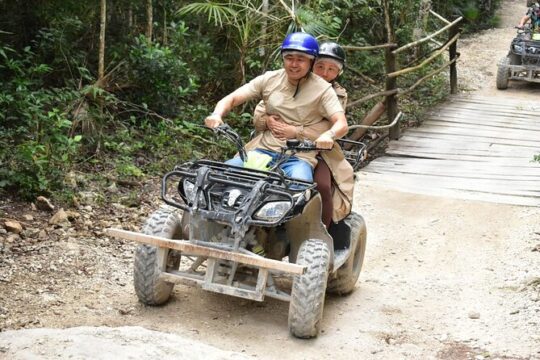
point(391, 100)
point(454, 30)
point(390, 60)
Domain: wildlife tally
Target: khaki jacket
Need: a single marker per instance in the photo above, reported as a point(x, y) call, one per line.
point(342, 171)
point(311, 102)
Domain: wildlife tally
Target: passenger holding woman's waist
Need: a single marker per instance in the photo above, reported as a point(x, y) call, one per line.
point(299, 97)
point(333, 174)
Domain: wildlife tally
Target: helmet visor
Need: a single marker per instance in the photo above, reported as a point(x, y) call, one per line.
point(296, 52)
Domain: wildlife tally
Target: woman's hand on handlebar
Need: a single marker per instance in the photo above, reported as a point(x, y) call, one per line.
point(213, 121)
point(325, 141)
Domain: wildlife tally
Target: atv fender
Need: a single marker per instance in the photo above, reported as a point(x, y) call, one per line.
point(306, 226)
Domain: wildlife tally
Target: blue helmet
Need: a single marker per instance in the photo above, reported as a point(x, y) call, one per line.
point(302, 42)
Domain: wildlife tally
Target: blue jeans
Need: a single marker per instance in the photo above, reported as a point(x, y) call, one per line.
point(294, 167)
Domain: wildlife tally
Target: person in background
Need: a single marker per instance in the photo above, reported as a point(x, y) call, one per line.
point(532, 15)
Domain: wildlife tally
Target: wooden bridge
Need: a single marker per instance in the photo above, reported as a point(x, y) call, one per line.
point(478, 148)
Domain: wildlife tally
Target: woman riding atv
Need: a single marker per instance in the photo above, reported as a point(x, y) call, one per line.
point(299, 97)
point(333, 174)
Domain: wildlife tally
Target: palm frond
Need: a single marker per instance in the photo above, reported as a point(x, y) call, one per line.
point(308, 21)
point(217, 13)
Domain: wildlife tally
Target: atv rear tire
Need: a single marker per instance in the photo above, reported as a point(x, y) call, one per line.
point(503, 74)
point(345, 278)
point(308, 291)
point(150, 289)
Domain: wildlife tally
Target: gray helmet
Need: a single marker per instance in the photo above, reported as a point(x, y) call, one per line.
point(332, 50)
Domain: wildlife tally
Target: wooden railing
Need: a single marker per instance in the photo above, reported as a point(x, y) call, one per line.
point(392, 92)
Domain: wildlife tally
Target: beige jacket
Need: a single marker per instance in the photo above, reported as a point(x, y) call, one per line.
point(313, 103)
point(342, 171)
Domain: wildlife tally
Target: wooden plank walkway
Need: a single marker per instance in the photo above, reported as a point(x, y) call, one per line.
point(472, 147)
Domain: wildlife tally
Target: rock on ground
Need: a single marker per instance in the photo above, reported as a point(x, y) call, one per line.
point(128, 342)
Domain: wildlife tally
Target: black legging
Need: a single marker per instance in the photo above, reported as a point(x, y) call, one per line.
point(323, 177)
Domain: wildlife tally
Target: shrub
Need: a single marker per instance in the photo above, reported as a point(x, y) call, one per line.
point(159, 77)
point(36, 147)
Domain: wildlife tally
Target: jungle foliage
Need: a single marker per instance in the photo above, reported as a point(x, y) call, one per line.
point(166, 63)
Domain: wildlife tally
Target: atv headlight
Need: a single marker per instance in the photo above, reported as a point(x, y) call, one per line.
point(518, 49)
point(189, 191)
point(273, 210)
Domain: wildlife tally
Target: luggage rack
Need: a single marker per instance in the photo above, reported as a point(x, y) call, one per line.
point(354, 151)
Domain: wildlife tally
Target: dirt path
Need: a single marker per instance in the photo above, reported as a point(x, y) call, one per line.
point(442, 279)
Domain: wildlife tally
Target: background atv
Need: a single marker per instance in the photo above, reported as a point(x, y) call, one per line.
point(244, 232)
point(522, 61)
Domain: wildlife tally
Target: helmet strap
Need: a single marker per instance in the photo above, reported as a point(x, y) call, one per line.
point(304, 77)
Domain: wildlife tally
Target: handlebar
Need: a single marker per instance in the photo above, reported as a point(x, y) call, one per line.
point(301, 146)
point(523, 29)
point(232, 135)
point(292, 147)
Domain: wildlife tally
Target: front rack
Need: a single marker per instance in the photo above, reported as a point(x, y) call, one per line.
point(260, 184)
point(354, 151)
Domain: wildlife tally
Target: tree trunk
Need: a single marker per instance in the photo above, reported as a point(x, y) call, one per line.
point(421, 24)
point(149, 19)
point(165, 35)
point(101, 57)
point(264, 28)
point(130, 18)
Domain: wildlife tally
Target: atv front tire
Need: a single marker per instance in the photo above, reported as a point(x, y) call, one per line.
point(503, 74)
point(345, 278)
point(308, 291)
point(151, 261)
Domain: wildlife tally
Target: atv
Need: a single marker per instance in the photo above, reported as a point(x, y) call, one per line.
point(248, 233)
point(523, 59)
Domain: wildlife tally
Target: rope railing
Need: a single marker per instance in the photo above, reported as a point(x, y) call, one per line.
point(378, 127)
point(392, 91)
point(370, 47)
point(418, 42)
point(425, 62)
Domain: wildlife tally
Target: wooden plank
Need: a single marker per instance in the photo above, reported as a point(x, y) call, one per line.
point(491, 109)
point(490, 101)
point(527, 184)
point(508, 115)
point(397, 161)
point(426, 149)
point(531, 182)
point(499, 111)
point(458, 194)
point(473, 158)
point(500, 101)
point(450, 172)
point(456, 147)
point(425, 136)
point(453, 119)
point(186, 246)
point(438, 134)
point(434, 164)
point(500, 159)
point(507, 134)
point(504, 129)
point(461, 145)
point(466, 185)
point(457, 118)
